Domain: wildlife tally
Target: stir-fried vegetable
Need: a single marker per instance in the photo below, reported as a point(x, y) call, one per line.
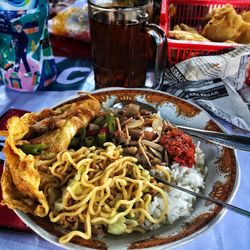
point(102, 138)
point(33, 149)
point(75, 142)
point(89, 141)
point(99, 121)
point(142, 134)
point(110, 118)
point(78, 140)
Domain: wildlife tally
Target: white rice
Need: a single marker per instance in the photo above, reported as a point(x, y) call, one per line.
point(180, 204)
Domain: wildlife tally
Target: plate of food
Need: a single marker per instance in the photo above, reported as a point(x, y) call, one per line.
point(80, 174)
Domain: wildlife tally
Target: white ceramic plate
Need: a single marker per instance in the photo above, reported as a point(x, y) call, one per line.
point(221, 182)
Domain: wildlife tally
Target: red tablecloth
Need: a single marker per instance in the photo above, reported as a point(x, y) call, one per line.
point(8, 218)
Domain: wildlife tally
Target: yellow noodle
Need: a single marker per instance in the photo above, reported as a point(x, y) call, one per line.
point(165, 172)
point(101, 187)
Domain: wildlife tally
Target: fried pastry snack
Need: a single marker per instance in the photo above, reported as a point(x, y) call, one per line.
point(246, 16)
point(244, 37)
point(186, 35)
point(185, 27)
point(224, 25)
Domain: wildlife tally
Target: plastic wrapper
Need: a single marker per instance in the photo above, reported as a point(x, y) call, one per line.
point(55, 6)
point(72, 22)
point(26, 60)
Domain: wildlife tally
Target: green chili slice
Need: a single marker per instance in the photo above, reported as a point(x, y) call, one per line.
point(99, 121)
point(89, 141)
point(75, 143)
point(82, 133)
point(33, 149)
point(110, 118)
point(102, 138)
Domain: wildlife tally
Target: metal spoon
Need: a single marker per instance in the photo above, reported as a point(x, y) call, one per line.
point(230, 141)
point(203, 196)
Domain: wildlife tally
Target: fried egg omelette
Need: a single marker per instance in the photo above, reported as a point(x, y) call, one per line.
point(53, 128)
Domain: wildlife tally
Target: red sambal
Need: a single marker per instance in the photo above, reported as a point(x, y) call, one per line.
point(179, 147)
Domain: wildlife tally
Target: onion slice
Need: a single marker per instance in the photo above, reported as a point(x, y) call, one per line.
point(153, 145)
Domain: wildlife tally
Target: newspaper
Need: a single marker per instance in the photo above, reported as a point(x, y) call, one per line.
point(218, 83)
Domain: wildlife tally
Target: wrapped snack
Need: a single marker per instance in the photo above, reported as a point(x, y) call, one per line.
point(26, 60)
point(72, 22)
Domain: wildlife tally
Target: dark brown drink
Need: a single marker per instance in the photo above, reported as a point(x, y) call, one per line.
point(120, 51)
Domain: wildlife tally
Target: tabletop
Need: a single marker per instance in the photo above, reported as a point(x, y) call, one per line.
point(231, 232)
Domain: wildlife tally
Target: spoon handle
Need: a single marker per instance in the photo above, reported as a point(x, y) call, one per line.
point(206, 197)
point(230, 141)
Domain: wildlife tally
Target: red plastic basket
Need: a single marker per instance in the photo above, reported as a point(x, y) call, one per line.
point(191, 13)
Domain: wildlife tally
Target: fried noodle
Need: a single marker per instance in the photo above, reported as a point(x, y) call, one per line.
point(98, 187)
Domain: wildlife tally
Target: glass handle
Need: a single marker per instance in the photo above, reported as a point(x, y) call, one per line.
point(161, 57)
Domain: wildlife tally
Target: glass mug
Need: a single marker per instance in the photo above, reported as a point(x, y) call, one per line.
point(120, 36)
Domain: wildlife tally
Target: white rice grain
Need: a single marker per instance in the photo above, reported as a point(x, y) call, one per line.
point(180, 203)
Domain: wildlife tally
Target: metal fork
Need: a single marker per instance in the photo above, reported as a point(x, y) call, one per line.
point(203, 196)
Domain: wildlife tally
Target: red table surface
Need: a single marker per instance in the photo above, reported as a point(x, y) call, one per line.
point(69, 47)
point(8, 219)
